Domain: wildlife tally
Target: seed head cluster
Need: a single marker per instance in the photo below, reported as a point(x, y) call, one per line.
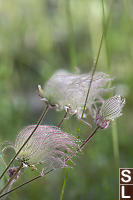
point(49, 145)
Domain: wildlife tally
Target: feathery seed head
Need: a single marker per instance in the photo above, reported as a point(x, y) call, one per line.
point(67, 89)
point(48, 145)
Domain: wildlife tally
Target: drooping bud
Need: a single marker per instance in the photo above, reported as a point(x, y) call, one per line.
point(110, 110)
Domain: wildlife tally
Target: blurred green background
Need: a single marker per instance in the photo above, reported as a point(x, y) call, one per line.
point(37, 37)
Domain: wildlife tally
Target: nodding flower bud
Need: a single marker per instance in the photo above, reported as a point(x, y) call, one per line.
point(110, 110)
point(49, 146)
point(67, 89)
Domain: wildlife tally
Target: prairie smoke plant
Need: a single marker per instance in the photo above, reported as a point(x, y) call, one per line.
point(49, 146)
point(110, 110)
point(67, 90)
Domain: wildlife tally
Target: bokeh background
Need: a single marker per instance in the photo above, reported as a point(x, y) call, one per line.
point(37, 37)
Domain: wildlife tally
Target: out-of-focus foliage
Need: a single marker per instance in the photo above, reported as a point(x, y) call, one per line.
point(36, 39)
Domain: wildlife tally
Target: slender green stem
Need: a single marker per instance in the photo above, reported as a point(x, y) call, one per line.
point(64, 184)
point(114, 124)
point(86, 141)
point(39, 121)
point(95, 65)
point(11, 179)
point(67, 159)
point(93, 72)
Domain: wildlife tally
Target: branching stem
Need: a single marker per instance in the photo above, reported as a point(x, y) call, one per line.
point(37, 177)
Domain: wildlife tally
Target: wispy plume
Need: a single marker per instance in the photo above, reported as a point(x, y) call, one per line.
point(49, 146)
point(67, 90)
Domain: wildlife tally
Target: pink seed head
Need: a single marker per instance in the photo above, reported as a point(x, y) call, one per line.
point(48, 145)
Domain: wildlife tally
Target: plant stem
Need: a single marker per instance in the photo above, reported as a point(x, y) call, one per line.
point(93, 72)
point(60, 123)
point(95, 65)
point(11, 179)
point(64, 184)
point(27, 182)
point(67, 159)
point(39, 121)
point(84, 143)
point(88, 139)
point(114, 124)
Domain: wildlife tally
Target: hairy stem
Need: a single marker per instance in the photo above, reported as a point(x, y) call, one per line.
point(39, 121)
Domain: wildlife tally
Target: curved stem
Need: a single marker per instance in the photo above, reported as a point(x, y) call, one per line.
point(37, 177)
point(39, 121)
